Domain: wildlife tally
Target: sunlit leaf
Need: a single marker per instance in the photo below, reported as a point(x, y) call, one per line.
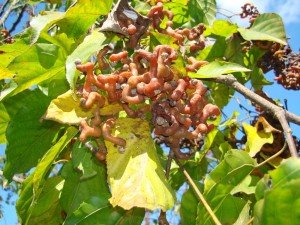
point(98, 209)
point(221, 28)
point(90, 45)
point(65, 109)
point(43, 20)
point(266, 27)
point(27, 137)
point(39, 63)
point(4, 119)
point(161, 39)
point(213, 52)
point(217, 68)
point(46, 162)
point(135, 174)
point(258, 135)
point(202, 11)
point(82, 16)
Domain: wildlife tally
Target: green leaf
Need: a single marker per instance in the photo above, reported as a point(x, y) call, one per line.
point(161, 39)
point(228, 212)
point(39, 63)
point(217, 68)
point(221, 28)
point(43, 20)
point(77, 190)
point(219, 183)
point(180, 11)
point(202, 11)
point(281, 205)
point(46, 162)
point(188, 208)
point(213, 52)
point(27, 137)
point(4, 120)
point(92, 43)
point(287, 171)
point(47, 209)
point(135, 174)
point(82, 16)
point(98, 210)
point(81, 160)
point(266, 27)
point(9, 52)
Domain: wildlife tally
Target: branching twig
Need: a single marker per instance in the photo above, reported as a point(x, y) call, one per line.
point(8, 11)
point(20, 16)
point(3, 6)
point(15, 178)
point(282, 115)
point(204, 202)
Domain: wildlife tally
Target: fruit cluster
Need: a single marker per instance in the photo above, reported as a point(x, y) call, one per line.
point(176, 105)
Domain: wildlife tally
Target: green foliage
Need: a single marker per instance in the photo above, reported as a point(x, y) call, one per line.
point(67, 181)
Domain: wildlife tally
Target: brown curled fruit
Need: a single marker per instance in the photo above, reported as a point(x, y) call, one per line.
point(194, 64)
point(87, 131)
point(129, 97)
point(106, 129)
point(94, 97)
point(179, 90)
point(131, 29)
point(118, 56)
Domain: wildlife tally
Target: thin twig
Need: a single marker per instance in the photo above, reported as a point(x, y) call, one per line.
point(201, 197)
point(3, 6)
point(15, 178)
point(281, 114)
point(273, 156)
point(250, 221)
point(20, 16)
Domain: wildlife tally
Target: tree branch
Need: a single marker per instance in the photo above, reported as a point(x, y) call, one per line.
point(11, 7)
point(201, 197)
point(15, 178)
point(20, 16)
point(3, 6)
point(282, 115)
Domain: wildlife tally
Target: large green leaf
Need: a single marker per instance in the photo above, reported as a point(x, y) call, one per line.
point(287, 171)
point(213, 52)
point(266, 27)
point(92, 43)
point(47, 209)
point(98, 210)
point(77, 190)
point(135, 174)
point(202, 11)
point(28, 138)
point(46, 162)
point(4, 119)
point(43, 20)
point(221, 28)
point(39, 63)
point(218, 185)
point(217, 68)
point(82, 16)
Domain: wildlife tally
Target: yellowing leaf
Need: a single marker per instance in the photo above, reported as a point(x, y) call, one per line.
point(136, 176)
point(258, 135)
point(65, 109)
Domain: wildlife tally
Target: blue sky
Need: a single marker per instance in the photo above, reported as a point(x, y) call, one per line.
point(289, 10)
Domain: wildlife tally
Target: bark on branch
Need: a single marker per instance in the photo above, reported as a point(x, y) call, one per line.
point(281, 114)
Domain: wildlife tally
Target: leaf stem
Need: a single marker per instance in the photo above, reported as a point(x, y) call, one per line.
point(273, 156)
point(201, 197)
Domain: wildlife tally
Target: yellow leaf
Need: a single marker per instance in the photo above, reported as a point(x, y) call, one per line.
point(65, 109)
point(258, 135)
point(136, 176)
